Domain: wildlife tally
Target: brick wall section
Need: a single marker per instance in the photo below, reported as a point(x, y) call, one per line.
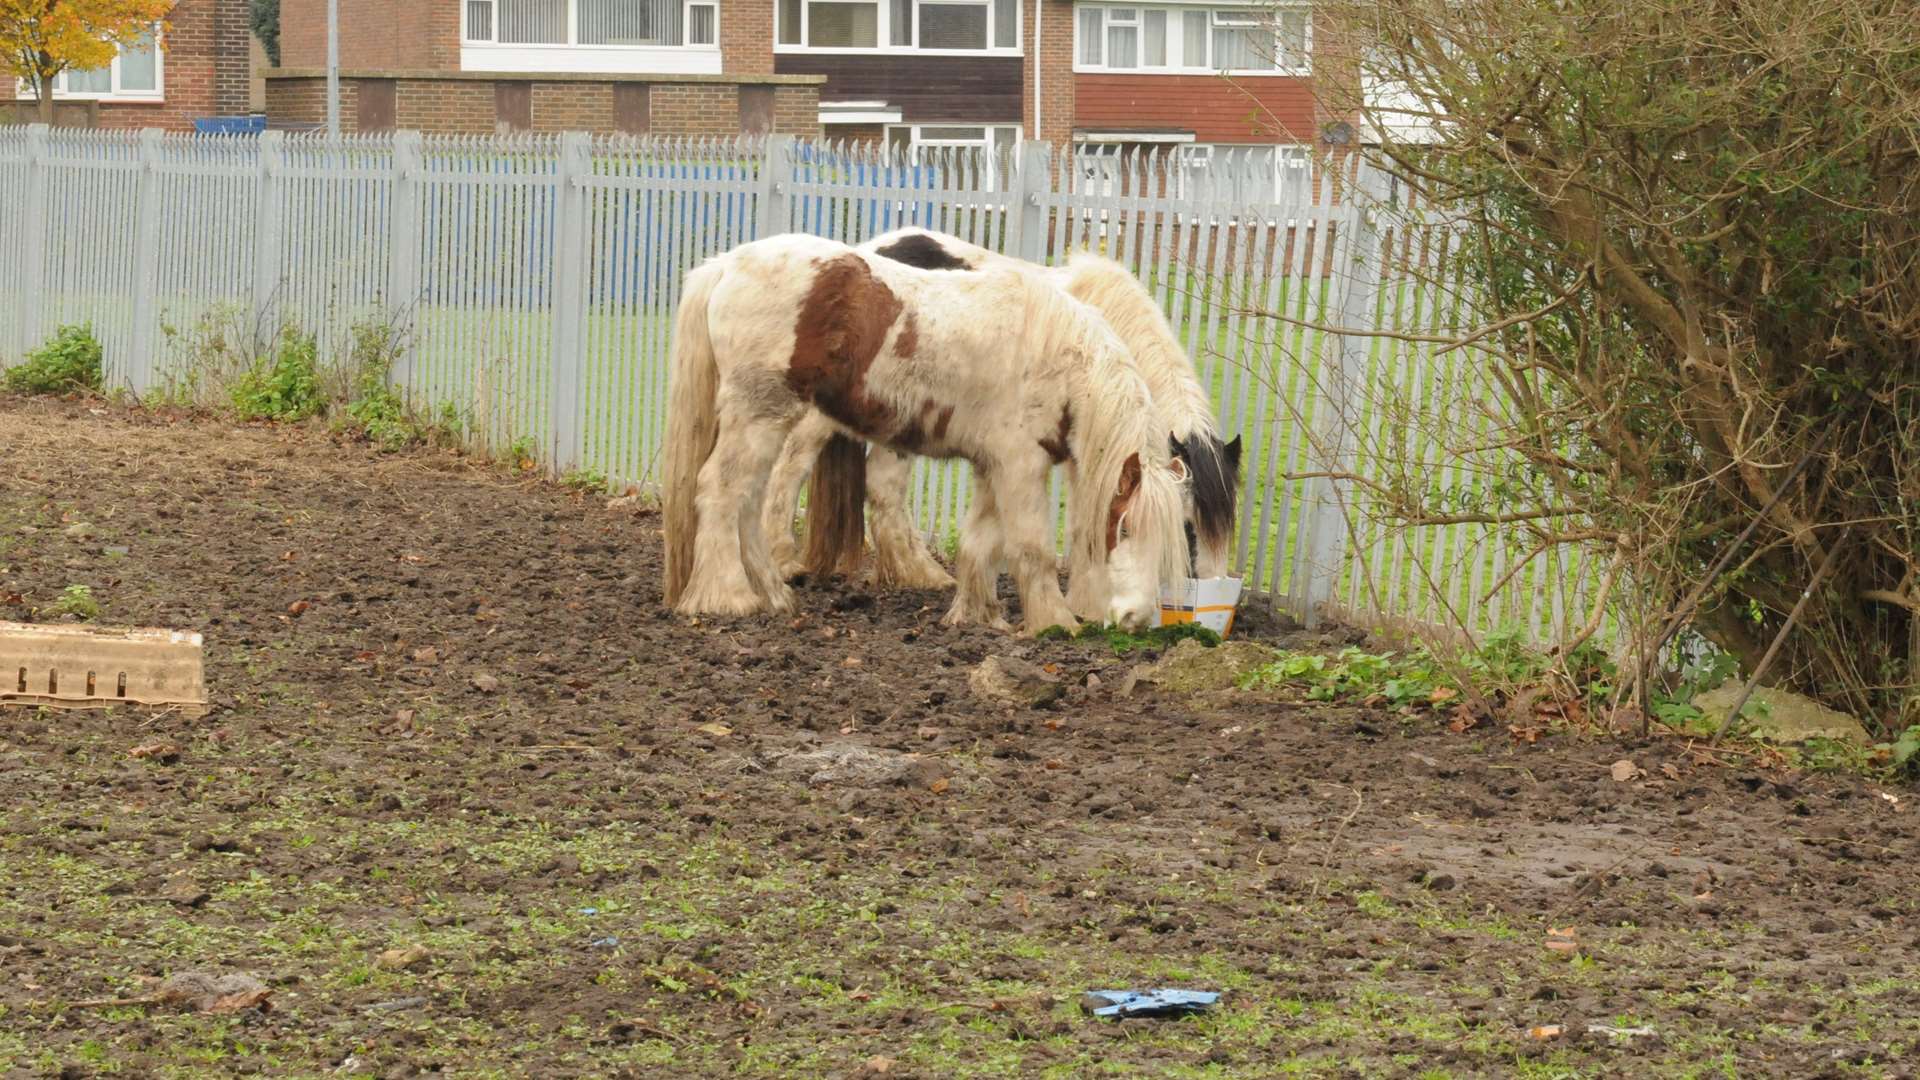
point(746, 37)
point(434, 107)
point(187, 73)
point(695, 110)
point(465, 103)
point(232, 58)
point(415, 35)
point(1056, 72)
point(574, 107)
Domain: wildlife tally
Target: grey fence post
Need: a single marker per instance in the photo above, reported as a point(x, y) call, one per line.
point(569, 306)
point(33, 256)
point(267, 225)
point(139, 367)
point(1334, 419)
point(1027, 210)
point(775, 215)
point(403, 250)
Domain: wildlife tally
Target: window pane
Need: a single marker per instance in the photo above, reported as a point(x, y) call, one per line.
point(138, 70)
point(1005, 139)
point(533, 22)
point(1122, 43)
point(789, 22)
point(1241, 48)
point(1153, 39)
point(899, 138)
point(1193, 39)
point(843, 25)
point(1090, 36)
point(902, 26)
point(480, 20)
point(1291, 28)
point(1006, 24)
point(97, 81)
point(630, 22)
point(953, 26)
point(701, 25)
point(954, 134)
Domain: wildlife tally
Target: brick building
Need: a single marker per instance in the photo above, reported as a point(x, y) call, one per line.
point(1235, 74)
point(202, 68)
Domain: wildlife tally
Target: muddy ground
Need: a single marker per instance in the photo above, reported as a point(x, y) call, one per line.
point(471, 802)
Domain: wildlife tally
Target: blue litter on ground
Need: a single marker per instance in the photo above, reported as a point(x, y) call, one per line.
point(604, 943)
point(1126, 1004)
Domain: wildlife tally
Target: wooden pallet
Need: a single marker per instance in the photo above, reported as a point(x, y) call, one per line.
point(86, 666)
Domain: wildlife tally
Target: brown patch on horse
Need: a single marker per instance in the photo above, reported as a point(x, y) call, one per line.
point(842, 327)
point(929, 425)
point(1057, 446)
point(1122, 499)
point(909, 338)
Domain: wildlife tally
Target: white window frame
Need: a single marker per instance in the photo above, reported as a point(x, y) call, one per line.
point(490, 54)
point(985, 144)
point(1287, 158)
point(1176, 39)
point(24, 89)
point(883, 32)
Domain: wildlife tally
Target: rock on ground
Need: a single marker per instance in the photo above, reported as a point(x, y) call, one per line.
point(1787, 717)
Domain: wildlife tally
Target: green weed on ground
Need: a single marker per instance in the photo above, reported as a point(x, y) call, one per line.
point(70, 361)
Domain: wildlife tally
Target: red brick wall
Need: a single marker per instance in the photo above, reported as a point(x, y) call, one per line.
point(1247, 110)
point(467, 105)
point(190, 71)
point(574, 107)
point(418, 35)
point(746, 37)
point(1056, 72)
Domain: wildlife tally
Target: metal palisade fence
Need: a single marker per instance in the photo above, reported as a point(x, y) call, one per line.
point(533, 281)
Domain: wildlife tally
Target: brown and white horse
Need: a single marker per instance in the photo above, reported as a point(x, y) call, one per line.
point(995, 366)
point(901, 556)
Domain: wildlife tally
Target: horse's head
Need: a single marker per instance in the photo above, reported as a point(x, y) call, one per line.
point(1145, 539)
point(1213, 472)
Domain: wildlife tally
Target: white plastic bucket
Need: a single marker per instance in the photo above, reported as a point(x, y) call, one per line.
point(1207, 601)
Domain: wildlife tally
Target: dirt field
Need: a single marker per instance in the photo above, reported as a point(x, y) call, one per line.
point(454, 727)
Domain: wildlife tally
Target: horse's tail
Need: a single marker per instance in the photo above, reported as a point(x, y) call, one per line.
point(693, 425)
point(836, 508)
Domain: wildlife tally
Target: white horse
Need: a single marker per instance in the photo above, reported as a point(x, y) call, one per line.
point(994, 366)
point(901, 556)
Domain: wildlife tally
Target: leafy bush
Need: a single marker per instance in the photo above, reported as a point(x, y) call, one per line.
point(283, 386)
point(78, 601)
point(1354, 674)
point(1123, 642)
point(71, 360)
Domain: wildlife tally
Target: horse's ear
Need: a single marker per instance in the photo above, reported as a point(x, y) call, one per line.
point(1233, 455)
point(1129, 476)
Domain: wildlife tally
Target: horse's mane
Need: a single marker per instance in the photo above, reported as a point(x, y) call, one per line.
point(1114, 417)
point(1182, 402)
point(1134, 315)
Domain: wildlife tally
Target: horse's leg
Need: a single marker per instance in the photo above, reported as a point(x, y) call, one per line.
point(762, 443)
point(783, 489)
point(1088, 587)
point(900, 554)
point(1026, 528)
point(720, 583)
point(977, 564)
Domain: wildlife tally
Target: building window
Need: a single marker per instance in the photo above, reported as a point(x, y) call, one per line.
point(1242, 175)
point(1243, 41)
point(919, 144)
point(916, 25)
point(133, 75)
point(643, 23)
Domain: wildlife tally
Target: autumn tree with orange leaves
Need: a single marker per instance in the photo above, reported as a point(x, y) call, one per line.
point(39, 39)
